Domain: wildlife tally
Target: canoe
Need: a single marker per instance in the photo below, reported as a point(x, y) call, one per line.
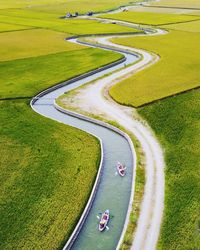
point(104, 220)
point(121, 169)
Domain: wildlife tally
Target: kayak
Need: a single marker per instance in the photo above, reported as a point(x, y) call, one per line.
point(104, 220)
point(121, 169)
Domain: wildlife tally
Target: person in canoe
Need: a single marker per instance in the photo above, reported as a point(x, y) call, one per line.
point(121, 169)
point(104, 220)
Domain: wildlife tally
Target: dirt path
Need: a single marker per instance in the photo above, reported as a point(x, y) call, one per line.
point(94, 99)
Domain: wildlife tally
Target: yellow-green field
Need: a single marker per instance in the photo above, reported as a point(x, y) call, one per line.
point(150, 18)
point(177, 70)
point(154, 9)
point(44, 183)
point(178, 3)
point(176, 122)
point(32, 43)
point(62, 6)
point(190, 26)
point(73, 27)
point(43, 186)
point(11, 27)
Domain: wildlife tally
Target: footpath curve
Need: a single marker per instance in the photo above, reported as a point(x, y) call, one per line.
point(149, 223)
point(152, 206)
point(43, 104)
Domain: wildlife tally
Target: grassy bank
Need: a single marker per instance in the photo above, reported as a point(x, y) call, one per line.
point(176, 123)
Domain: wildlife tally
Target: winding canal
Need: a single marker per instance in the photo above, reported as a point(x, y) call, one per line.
point(113, 192)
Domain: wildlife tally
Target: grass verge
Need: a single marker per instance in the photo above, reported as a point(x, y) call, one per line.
point(140, 171)
point(176, 123)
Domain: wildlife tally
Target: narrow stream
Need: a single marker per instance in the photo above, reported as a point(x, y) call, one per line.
point(114, 191)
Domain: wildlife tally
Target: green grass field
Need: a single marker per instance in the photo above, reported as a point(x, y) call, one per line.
point(44, 186)
point(190, 27)
point(45, 182)
point(176, 122)
point(150, 18)
point(62, 6)
point(178, 3)
point(72, 26)
point(27, 77)
point(33, 43)
point(44, 179)
point(177, 70)
point(5, 27)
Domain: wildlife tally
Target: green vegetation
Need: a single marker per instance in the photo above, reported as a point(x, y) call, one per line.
point(70, 26)
point(11, 27)
point(177, 70)
point(178, 3)
point(62, 6)
point(33, 43)
point(26, 77)
point(150, 18)
point(44, 186)
point(138, 195)
point(45, 182)
point(176, 122)
point(47, 171)
point(190, 27)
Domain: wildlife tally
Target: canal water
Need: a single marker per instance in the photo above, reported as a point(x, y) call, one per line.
point(113, 191)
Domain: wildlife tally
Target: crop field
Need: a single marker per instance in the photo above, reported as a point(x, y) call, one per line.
point(163, 78)
point(176, 122)
point(190, 26)
point(32, 43)
point(72, 26)
point(154, 9)
point(44, 179)
point(11, 27)
point(51, 21)
point(26, 77)
point(150, 18)
point(62, 6)
point(44, 186)
point(41, 182)
point(178, 3)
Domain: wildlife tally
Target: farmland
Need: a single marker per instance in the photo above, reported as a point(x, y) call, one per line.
point(181, 75)
point(11, 27)
point(61, 6)
point(44, 180)
point(150, 18)
point(34, 19)
point(190, 26)
point(26, 77)
point(48, 169)
point(39, 200)
point(26, 44)
point(176, 123)
point(178, 3)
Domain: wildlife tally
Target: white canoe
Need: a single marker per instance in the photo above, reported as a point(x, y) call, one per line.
point(104, 220)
